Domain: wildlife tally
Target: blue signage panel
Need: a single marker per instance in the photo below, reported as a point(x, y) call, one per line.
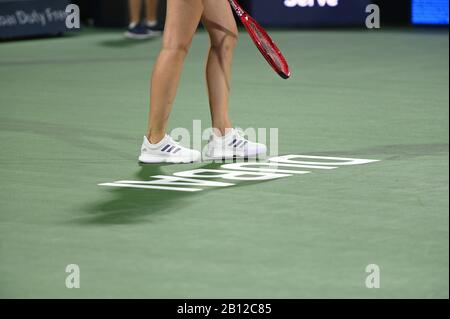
point(20, 18)
point(430, 11)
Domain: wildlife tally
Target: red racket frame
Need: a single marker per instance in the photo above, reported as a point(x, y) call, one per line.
point(247, 20)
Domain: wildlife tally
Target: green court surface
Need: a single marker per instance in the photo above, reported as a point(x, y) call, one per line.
point(73, 112)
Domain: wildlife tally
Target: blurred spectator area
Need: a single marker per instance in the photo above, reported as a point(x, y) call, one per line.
point(110, 13)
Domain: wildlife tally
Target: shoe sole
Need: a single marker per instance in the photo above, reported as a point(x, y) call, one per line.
point(157, 159)
point(133, 36)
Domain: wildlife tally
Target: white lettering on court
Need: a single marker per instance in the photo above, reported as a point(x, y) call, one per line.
point(276, 167)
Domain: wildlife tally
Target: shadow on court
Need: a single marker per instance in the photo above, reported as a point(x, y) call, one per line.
point(132, 205)
point(78, 137)
point(391, 152)
point(125, 43)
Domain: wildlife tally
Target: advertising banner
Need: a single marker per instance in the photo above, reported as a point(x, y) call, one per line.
point(23, 18)
point(309, 13)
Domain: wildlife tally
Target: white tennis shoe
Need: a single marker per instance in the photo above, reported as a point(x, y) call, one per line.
point(233, 145)
point(167, 151)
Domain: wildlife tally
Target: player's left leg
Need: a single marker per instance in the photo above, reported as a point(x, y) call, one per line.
point(226, 142)
point(219, 22)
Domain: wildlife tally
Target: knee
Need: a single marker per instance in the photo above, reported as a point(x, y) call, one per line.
point(225, 45)
point(176, 46)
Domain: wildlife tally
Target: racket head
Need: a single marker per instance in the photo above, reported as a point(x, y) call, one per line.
point(266, 46)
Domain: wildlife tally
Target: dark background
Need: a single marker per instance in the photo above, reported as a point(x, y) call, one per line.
point(107, 13)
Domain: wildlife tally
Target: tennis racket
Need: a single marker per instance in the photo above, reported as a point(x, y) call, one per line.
point(263, 41)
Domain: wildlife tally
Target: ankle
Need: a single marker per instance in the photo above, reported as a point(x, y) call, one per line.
point(155, 138)
point(221, 134)
point(221, 129)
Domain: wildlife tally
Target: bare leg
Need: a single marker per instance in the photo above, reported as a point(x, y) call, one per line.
point(151, 7)
point(221, 26)
point(182, 20)
point(135, 10)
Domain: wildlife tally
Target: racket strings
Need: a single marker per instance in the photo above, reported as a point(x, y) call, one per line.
point(268, 47)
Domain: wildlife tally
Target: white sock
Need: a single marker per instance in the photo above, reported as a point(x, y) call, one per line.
point(151, 23)
point(132, 25)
